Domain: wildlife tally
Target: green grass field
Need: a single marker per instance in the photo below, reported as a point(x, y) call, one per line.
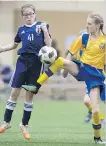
point(53, 123)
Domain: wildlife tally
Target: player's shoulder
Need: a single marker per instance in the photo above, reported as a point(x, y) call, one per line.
point(103, 38)
point(20, 28)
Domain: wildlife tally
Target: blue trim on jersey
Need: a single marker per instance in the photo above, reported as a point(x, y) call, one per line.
point(85, 38)
point(80, 52)
point(84, 42)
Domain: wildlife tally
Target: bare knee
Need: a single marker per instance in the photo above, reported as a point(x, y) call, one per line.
point(95, 108)
point(14, 94)
point(87, 100)
point(29, 96)
point(95, 111)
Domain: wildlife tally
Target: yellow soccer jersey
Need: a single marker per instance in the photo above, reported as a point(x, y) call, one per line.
point(93, 54)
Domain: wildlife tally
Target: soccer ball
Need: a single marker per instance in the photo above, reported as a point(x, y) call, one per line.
point(47, 55)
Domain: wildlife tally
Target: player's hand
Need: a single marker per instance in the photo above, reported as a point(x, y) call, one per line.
point(64, 73)
point(43, 26)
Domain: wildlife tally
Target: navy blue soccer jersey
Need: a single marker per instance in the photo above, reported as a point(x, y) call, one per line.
point(32, 38)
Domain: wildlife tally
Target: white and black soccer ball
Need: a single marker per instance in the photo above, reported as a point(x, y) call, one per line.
point(47, 55)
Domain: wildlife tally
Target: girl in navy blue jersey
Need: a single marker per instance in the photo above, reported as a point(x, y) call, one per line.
point(33, 35)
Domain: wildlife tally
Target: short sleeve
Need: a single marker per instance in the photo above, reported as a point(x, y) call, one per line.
point(76, 46)
point(17, 38)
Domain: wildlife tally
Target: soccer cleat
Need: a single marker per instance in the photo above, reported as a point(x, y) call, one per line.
point(30, 88)
point(4, 126)
point(25, 132)
point(88, 117)
point(99, 141)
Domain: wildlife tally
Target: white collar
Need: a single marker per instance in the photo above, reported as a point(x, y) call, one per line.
point(30, 25)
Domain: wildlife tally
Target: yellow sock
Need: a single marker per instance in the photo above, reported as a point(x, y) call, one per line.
point(90, 109)
point(51, 70)
point(89, 106)
point(96, 125)
point(101, 116)
point(57, 65)
point(42, 78)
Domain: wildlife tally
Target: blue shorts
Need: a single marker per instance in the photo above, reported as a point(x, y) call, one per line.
point(28, 69)
point(92, 76)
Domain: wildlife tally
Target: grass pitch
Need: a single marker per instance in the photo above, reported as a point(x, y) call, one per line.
point(53, 123)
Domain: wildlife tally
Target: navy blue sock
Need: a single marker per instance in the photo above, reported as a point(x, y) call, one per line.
point(27, 113)
point(10, 106)
point(8, 115)
point(26, 117)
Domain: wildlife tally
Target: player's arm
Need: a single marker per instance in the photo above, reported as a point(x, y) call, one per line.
point(8, 47)
point(47, 38)
point(73, 49)
point(64, 72)
point(12, 46)
point(75, 46)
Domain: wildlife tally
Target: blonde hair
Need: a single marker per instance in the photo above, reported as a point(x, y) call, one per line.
point(27, 6)
point(98, 19)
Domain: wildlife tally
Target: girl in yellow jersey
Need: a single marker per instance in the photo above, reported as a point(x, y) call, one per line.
point(87, 100)
point(88, 69)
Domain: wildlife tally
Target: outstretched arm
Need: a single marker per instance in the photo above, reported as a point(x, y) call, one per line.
point(8, 47)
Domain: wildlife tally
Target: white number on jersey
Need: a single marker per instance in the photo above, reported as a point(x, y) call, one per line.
point(30, 37)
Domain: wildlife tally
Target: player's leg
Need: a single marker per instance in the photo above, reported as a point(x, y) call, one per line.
point(16, 82)
point(28, 107)
point(96, 121)
point(32, 76)
point(58, 64)
point(10, 106)
point(87, 103)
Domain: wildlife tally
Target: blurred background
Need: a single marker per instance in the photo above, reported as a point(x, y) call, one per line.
point(66, 19)
point(58, 120)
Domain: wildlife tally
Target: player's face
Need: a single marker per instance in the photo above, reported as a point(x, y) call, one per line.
point(29, 16)
point(91, 26)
